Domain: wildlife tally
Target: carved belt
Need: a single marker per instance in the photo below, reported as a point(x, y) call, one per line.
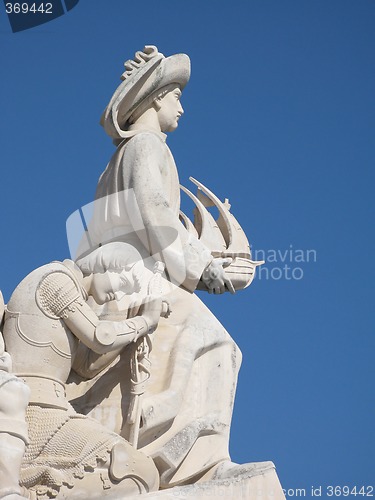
point(46, 392)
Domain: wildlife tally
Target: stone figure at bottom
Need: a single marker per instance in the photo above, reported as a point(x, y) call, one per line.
point(14, 397)
point(47, 323)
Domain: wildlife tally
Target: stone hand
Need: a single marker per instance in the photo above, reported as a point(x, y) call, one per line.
point(151, 310)
point(135, 305)
point(5, 362)
point(214, 276)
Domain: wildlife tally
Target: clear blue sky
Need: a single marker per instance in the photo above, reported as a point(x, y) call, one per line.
point(279, 118)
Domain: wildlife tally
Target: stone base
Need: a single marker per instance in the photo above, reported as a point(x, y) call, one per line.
point(246, 486)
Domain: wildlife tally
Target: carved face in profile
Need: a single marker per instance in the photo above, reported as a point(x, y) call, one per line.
point(111, 268)
point(169, 109)
point(104, 285)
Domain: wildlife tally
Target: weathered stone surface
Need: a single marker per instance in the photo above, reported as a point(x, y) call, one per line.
point(264, 486)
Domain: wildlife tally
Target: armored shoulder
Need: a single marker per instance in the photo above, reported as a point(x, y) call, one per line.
point(56, 292)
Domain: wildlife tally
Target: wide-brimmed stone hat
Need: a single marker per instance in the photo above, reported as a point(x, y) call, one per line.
point(148, 72)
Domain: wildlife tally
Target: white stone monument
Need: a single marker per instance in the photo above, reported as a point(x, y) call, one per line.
point(132, 379)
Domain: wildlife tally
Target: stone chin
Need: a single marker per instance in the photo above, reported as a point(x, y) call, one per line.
point(172, 127)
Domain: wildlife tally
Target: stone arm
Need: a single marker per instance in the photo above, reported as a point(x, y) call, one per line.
point(105, 336)
point(59, 296)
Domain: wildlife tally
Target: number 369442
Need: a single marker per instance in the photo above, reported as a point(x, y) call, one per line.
point(24, 8)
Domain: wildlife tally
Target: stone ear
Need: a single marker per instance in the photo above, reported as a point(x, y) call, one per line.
point(156, 103)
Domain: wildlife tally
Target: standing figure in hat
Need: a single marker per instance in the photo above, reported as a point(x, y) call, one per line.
point(188, 402)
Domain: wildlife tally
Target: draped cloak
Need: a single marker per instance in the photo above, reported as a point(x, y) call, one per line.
point(188, 403)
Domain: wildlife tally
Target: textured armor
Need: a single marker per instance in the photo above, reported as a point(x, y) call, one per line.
point(107, 331)
point(56, 435)
point(34, 321)
point(56, 292)
point(64, 446)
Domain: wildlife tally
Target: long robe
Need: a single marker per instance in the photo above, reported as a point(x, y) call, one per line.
point(188, 403)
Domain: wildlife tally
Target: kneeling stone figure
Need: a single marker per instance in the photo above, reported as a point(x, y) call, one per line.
point(46, 320)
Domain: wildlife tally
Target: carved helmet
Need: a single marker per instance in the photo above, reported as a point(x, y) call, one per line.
point(148, 72)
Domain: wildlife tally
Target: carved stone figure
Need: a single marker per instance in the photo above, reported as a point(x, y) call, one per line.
point(49, 328)
point(117, 380)
point(188, 400)
point(14, 396)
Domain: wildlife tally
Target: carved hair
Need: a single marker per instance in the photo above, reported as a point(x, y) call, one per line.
point(116, 256)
